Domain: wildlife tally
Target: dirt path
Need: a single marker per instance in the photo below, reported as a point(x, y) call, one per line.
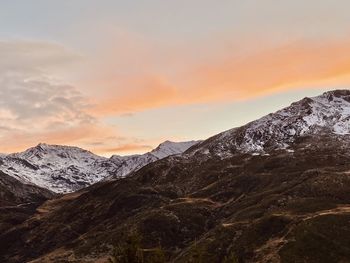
point(16, 206)
point(268, 253)
point(344, 209)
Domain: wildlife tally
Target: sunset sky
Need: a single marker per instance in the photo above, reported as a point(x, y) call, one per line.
point(119, 77)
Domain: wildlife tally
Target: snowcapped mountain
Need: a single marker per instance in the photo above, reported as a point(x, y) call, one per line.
point(261, 208)
point(128, 164)
point(170, 148)
point(327, 113)
point(58, 168)
point(65, 169)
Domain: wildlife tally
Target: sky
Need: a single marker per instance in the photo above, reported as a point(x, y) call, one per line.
point(120, 77)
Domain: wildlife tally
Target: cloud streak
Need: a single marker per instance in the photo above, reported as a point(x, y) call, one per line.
point(34, 104)
point(38, 104)
point(232, 78)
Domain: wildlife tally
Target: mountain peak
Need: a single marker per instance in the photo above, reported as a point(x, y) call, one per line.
point(328, 113)
point(68, 168)
point(171, 148)
point(57, 146)
point(339, 93)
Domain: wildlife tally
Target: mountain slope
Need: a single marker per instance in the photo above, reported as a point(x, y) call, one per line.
point(18, 201)
point(168, 148)
point(65, 169)
point(131, 163)
point(278, 206)
point(13, 192)
point(58, 168)
point(327, 113)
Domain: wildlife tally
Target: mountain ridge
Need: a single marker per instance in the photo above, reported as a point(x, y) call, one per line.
point(283, 204)
point(65, 169)
point(276, 131)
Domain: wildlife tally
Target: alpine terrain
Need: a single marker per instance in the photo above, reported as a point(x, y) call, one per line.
point(274, 190)
point(64, 169)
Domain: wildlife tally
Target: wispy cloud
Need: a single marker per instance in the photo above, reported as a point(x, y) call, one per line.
point(127, 148)
point(235, 76)
point(35, 104)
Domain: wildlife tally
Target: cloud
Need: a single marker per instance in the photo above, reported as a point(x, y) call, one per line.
point(35, 104)
point(38, 103)
point(291, 66)
point(127, 148)
point(233, 77)
point(29, 92)
point(121, 145)
point(143, 93)
point(33, 57)
point(39, 100)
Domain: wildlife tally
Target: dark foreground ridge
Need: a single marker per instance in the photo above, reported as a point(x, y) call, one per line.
point(18, 201)
point(277, 205)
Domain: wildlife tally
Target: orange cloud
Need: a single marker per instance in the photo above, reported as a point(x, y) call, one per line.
point(125, 148)
point(144, 93)
point(19, 140)
point(291, 66)
point(296, 65)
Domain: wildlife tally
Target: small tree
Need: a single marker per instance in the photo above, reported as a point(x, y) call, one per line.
point(154, 255)
point(197, 254)
point(231, 258)
point(127, 251)
point(130, 251)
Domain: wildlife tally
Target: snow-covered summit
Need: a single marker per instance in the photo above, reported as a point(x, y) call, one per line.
point(327, 113)
point(127, 164)
point(67, 168)
point(57, 155)
point(170, 148)
point(55, 167)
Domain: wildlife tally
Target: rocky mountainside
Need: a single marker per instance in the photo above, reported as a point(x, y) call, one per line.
point(328, 113)
point(127, 164)
point(65, 169)
point(285, 201)
point(58, 168)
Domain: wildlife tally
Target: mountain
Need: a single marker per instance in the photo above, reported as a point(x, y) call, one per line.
point(327, 113)
point(168, 148)
point(128, 164)
point(221, 201)
point(13, 192)
point(18, 201)
point(58, 168)
point(64, 169)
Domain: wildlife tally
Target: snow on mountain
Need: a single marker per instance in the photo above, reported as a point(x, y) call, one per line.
point(329, 112)
point(170, 148)
point(127, 164)
point(58, 168)
point(65, 169)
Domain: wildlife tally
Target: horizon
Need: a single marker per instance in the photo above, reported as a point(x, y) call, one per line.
point(74, 146)
point(107, 78)
point(171, 141)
